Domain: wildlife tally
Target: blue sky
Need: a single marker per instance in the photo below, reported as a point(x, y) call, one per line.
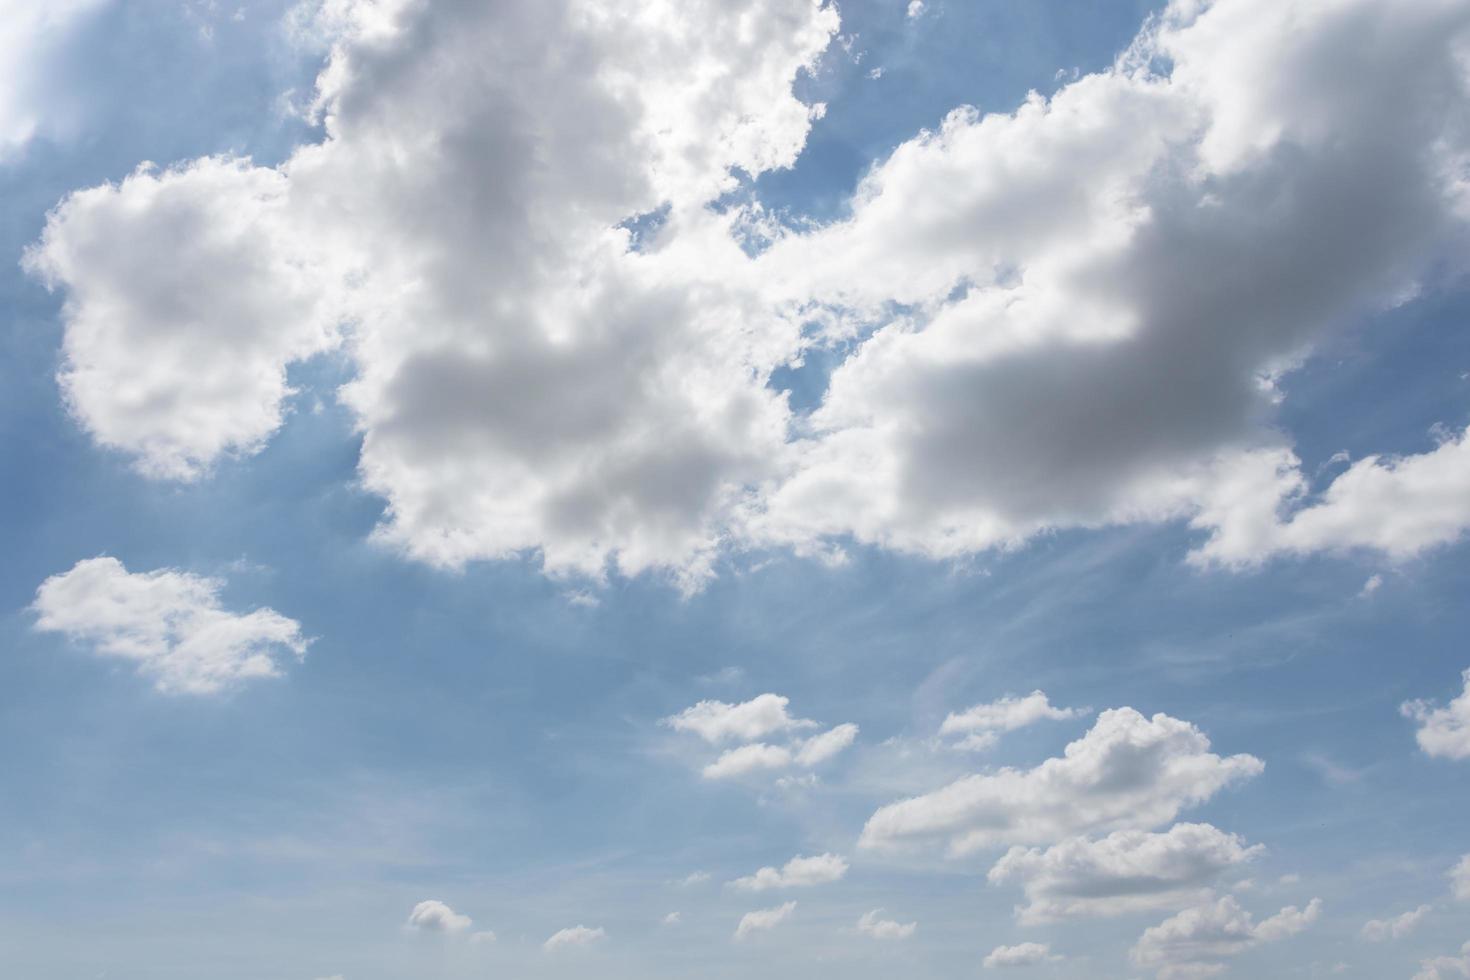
point(405, 566)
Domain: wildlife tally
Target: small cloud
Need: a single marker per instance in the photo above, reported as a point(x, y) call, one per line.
point(434, 916)
point(916, 8)
point(763, 919)
point(876, 73)
point(1382, 930)
point(483, 938)
point(1024, 954)
point(693, 878)
point(575, 936)
point(672, 919)
point(884, 928)
point(799, 872)
point(1374, 583)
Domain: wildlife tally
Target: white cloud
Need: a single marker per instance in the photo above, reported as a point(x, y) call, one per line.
point(188, 293)
point(1374, 583)
point(797, 873)
point(1460, 879)
point(672, 919)
point(168, 623)
point(559, 351)
point(434, 916)
point(1126, 772)
point(869, 924)
point(1072, 356)
point(573, 936)
point(1443, 732)
point(1445, 967)
point(915, 8)
point(983, 724)
point(716, 721)
point(694, 878)
point(748, 759)
point(484, 937)
point(1126, 871)
point(819, 748)
point(1194, 942)
point(1382, 930)
point(1022, 954)
point(762, 920)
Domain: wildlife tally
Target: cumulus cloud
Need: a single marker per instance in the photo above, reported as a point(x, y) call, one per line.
point(560, 351)
point(762, 920)
point(1382, 930)
point(170, 624)
point(572, 937)
point(434, 916)
point(1072, 353)
point(1443, 732)
point(797, 873)
point(1126, 871)
point(869, 924)
point(983, 724)
point(1126, 772)
point(1022, 954)
point(716, 721)
point(1196, 941)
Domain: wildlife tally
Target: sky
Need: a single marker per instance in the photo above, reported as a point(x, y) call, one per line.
point(558, 489)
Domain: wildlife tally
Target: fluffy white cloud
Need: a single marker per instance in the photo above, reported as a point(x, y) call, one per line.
point(1123, 872)
point(1126, 772)
point(573, 936)
point(798, 872)
point(1022, 954)
point(1194, 942)
point(819, 748)
point(527, 380)
point(1443, 732)
point(762, 920)
point(1445, 967)
point(1460, 879)
point(560, 351)
point(1103, 288)
point(176, 353)
point(434, 916)
point(983, 724)
point(1382, 930)
point(869, 924)
point(716, 721)
point(169, 623)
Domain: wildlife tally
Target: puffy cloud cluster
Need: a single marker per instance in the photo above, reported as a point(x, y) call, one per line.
point(982, 725)
point(435, 916)
point(1126, 772)
point(1075, 314)
point(799, 872)
point(718, 722)
point(1443, 732)
point(763, 920)
point(1196, 941)
point(170, 624)
point(1125, 871)
point(870, 925)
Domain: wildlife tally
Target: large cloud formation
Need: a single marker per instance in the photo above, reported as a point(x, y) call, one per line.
point(1075, 314)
